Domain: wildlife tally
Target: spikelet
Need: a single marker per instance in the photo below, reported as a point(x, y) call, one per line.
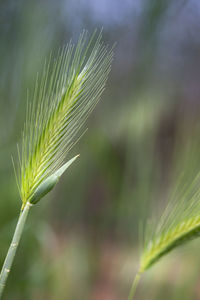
point(65, 94)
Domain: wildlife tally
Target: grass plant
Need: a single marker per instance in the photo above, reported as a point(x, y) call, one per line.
point(65, 94)
point(179, 222)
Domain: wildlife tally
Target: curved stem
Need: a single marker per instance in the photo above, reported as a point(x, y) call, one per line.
point(13, 247)
point(134, 286)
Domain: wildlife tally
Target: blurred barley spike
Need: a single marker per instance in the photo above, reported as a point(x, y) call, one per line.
point(66, 92)
point(178, 224)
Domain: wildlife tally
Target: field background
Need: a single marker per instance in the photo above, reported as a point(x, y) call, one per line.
point(81, 241)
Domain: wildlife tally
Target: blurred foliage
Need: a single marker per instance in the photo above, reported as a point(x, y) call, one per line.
point(81, 242)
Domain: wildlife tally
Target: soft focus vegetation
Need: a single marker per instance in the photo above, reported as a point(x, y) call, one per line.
point(82, 240)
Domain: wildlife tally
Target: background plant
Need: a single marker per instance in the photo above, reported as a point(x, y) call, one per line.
point(179, 218)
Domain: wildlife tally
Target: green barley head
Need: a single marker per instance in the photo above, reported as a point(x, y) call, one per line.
point(66, 92)
point(178, 224)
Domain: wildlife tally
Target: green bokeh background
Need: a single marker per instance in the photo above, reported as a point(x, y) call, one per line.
point(81, 241)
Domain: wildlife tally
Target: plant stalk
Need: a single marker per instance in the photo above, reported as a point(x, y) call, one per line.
point(13, 247)
point(134, 286)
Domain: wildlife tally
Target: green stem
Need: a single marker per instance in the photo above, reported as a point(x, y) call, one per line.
point(13, 247)
point(134, 286)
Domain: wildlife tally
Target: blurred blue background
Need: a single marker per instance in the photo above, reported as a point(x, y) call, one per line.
point(81, 241)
